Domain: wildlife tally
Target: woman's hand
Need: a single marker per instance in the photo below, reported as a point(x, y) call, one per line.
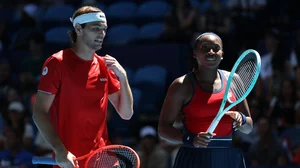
point(202, 139)
point(237, 119)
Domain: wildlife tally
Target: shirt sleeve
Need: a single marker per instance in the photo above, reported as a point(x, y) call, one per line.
point(113, 82)
point(50, 79)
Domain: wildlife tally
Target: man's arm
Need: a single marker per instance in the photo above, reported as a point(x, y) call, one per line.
point(42, 121)
point(122, 100)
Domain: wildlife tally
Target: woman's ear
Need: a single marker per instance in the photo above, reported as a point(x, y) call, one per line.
point(194, 53)
point(222, 54)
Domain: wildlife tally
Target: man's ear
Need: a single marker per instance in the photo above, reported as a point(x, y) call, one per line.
point(78, 29)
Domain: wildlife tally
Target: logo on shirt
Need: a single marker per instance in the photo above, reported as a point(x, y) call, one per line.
point(229, 94)
point(230, 97)
point(45, 71)
point(103, 79)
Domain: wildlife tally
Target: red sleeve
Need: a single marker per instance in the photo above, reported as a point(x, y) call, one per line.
point(113, 82)
point(50, 79)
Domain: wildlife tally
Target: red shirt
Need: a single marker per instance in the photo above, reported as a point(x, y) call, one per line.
point(200, 111)
point(78, 112)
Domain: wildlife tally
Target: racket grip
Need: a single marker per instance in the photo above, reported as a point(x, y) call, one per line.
point(213, 126)
point(43, 160)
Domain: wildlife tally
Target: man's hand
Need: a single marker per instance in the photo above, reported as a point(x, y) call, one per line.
point(66, 160)
point(114, 65)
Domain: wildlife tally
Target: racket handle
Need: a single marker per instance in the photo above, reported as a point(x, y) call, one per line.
point(213, 126)
point(43, 160)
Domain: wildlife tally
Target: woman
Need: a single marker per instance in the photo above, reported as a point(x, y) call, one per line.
point(197, 97)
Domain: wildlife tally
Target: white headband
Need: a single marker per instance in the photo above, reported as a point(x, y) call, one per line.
point(89, 17)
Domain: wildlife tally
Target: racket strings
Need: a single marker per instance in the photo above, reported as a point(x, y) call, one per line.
point(245, 74)
point(113, 158)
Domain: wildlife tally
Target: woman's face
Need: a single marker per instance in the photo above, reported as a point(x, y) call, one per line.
point(208, 51)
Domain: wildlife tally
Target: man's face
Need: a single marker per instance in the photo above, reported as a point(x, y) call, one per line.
point(93, 34)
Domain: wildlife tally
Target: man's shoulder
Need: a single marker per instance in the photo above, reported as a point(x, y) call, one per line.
point(58, 57)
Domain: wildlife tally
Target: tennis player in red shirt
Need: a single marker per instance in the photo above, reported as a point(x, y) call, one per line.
point(75, 87)
point(196, 97)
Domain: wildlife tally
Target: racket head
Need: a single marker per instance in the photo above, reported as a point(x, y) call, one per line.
point(113, 156)
point(243, 76)
point(241, 80)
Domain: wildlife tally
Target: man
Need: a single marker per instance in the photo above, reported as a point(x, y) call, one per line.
point(75, 87)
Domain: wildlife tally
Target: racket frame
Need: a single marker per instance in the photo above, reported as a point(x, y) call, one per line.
point(52, 161)
point(222, 111)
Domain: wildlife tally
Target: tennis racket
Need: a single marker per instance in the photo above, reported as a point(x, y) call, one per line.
point(240, 82)
point(111, 156)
